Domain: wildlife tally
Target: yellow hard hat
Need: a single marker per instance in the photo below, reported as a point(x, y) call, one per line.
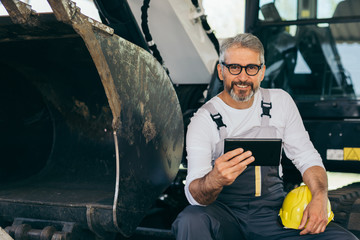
point(294, 205)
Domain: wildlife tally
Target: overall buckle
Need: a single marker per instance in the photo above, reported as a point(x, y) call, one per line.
point(217, 118)
point(266, 108)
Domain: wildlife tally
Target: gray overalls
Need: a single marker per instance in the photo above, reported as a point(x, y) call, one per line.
point(255, 181)
point(248, 208)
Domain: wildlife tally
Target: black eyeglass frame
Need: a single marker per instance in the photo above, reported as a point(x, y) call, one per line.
point(241, 68)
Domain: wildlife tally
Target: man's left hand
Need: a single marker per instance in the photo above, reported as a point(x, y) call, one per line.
point(315, 218)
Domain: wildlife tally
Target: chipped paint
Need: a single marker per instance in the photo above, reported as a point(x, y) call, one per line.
point(149, 130)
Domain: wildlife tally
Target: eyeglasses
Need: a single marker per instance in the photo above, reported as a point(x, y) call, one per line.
point(235, 69)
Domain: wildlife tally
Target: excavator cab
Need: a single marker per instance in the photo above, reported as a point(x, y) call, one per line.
point(310, 51)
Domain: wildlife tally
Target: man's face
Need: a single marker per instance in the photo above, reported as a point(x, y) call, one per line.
point(241, 87)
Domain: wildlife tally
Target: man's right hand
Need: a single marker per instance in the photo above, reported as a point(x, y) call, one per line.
point(226, 169)
point(229, 166)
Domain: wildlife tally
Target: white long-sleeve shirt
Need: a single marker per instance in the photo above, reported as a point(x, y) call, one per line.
point(203, 135)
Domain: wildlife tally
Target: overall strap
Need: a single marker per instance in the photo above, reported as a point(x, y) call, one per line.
point(265, 115)
point(217, 118)
point(266, 106)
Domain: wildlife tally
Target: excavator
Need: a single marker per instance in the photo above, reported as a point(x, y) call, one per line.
point(94, 109)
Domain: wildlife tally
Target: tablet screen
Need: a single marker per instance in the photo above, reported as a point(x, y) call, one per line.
point(267, 152)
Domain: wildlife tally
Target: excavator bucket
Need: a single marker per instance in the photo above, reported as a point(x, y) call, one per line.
point(91, 128)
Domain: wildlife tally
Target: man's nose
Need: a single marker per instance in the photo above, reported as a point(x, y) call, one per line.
point(243, 75)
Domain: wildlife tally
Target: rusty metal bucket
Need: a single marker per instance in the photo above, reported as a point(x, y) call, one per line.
point(91, 128)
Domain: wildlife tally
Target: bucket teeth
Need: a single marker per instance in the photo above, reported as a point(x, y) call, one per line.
point(64, 10)
point(20, 12)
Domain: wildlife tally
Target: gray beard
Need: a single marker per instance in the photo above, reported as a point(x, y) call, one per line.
point(242, 99)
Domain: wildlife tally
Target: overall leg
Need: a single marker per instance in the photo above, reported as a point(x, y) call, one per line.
point(264, 224)
point(332, 232)
point(215, 221)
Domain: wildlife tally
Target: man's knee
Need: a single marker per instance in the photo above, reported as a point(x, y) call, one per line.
point(191, 216)
point(192, 223)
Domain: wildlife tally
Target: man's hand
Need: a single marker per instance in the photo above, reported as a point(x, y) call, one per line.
point(226, 169)
point(315, 217)
point(229, 166)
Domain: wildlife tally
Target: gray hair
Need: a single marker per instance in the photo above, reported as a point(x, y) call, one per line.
point(244, 40)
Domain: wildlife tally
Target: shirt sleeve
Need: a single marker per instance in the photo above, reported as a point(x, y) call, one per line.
point(297, 144)
point(199, 144)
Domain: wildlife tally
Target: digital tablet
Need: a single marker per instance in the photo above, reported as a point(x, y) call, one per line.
point(267, 152)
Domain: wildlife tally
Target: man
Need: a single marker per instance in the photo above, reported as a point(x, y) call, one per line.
point(229, 199)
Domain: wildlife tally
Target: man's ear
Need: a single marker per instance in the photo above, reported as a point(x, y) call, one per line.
point(220, 74)
point(263, 73)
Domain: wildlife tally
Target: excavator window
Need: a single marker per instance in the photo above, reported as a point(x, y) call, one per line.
point(310, 47)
